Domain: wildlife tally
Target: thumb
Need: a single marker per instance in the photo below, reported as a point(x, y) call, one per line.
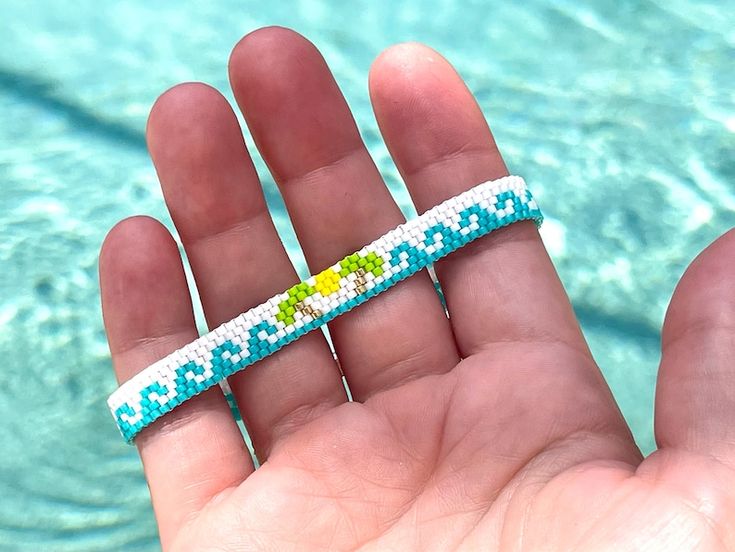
point(695, 395)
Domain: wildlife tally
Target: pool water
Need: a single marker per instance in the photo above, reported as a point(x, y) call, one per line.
point(626, 108)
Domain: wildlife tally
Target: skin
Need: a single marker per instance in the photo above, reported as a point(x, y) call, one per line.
point(492, 429)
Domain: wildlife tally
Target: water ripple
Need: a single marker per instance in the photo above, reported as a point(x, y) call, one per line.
point(601, 104)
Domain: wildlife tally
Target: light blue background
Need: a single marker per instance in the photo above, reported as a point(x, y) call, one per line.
point(624, 108)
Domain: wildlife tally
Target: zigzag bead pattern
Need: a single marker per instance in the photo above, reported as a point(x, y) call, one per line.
point(285, 317)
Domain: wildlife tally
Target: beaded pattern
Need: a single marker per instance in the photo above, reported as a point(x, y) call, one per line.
point(264, 329)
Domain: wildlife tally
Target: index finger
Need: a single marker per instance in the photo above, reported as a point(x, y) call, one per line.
point(502, 287)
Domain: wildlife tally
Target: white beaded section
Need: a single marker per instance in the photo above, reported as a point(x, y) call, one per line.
point(237, 330)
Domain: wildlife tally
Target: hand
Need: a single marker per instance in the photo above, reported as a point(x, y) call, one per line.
point(493, 429)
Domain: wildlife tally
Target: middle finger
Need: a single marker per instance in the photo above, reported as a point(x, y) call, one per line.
point(338, 203)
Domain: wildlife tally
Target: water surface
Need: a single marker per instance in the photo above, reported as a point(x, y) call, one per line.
point(624, 109)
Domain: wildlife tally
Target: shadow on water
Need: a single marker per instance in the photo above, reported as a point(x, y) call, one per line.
point(45, 94)
point(633, 328)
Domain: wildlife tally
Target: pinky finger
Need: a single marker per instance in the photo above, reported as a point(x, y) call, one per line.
point(196, 451)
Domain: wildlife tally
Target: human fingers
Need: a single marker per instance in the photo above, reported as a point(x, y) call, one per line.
point(338, 202)
point(502, 287)
point(216, 201)
point(695, 394)
point(196, 451)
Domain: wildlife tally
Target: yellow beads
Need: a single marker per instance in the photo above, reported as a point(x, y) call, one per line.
point(327, 282)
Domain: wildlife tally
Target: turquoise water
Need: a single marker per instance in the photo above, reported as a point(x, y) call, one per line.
point(626, 108)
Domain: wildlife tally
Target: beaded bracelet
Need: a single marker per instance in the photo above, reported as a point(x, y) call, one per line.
point(285, 317)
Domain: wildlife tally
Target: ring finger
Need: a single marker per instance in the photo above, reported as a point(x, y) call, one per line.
point(212, 191)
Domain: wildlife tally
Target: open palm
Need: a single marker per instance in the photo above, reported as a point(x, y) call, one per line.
point(488, 429)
